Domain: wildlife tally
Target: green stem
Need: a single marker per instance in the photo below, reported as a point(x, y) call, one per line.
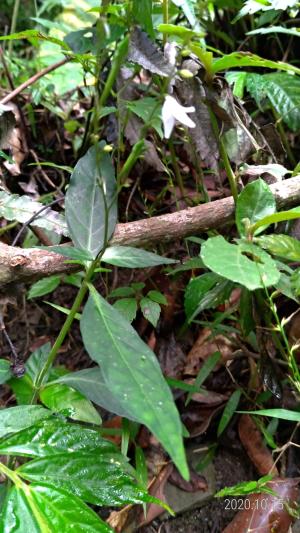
point(284, 139)
point(176, 168)
point(135, 153)
point(120, 54)
point(65, 329)
point(165, 9)
point(10, 474)
point(13, 24)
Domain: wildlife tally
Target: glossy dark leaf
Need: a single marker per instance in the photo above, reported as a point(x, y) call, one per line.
point(127, 307)
point(132, 372)
point(55, 437)
point(14, 419)
point(60, 398)
point(43, 286)
point(40, 508)
point(92, 192)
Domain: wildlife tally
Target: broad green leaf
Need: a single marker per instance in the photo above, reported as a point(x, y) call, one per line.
point(280, 245)
point(23, 388)
point(142, 12)
point(127, 307)
point(132, 372)
point(151, 310)
point(229, 411)
point(129, 257)
point(54, 437)
point(99, 479)
point(91, 200)
point(91, 384)
point(70, 252)
point(3, 492)
point(43, 286)
point(238, 80)
point(14, 419)
point(246, 59)
point(36, 361)
point(158, 297)
point(5, 371)
point(207, 367)
point(292, 214)
point(191, 264)
point(217, 295)
point(229, 261)
point(122, 292)
point(254, 202)
point(60, 398)
point(149, 110)
point(283, 414)
point(180, 31)
point(22, 209)
point(40, 508)
point(282, 91)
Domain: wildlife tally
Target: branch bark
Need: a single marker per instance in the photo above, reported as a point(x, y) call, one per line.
point(21, 265)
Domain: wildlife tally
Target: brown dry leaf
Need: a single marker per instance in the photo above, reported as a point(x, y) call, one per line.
point(117, 519)
point(252, 441)
point(157, 490)
point(197, 418)
point(113, 423)
point(267, 513)
point(196, 483)
point(204, 347)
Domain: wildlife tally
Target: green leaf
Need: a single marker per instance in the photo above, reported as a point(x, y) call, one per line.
point(36, 361)
point(41, 508)
point(92, 192)
point(55, 436)
point(284, 414)
point(22, 209)
point(127, 307)
point(207, 367)
point(292, 214)
point(129, 257)
point(23, 388)
point(275, 29)
point(43, 286)
point(91, 384)
point(196, 289)
point(60, 398)
point(122, 292)
point(246, 487)
point(187, 7)
point(96, 478)
point(229, 411)
point(151, 310)
point(142, 12)
point(254, 202)
point(191, 264)
point(14, 419)
point(34, 35)
point(246, 59)
point(5, 371)
point(132, 372)
point(158, 297)
point(149, 110)
point(229, 261)
point(70, 252)
point(172, 29)
point(282, 91)
point(280, 245)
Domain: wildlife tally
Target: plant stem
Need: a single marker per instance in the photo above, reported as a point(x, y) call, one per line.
point(176, 168)
point(65, 329)
point(165, 8)
point(284, 139)
point(10, 474)
point(14, 23)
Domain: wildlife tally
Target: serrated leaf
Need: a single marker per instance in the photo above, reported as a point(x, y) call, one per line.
point(127, 307)
point(144, 52)
point(14, 419)
point(247, 59)
point(92, 189)
point(136, 380)
point(60, 398)
point(129, 257)
point(280, 245)
point(229, 411)
point(229, 261)
point(42, 508)
point(91, 384)
point(55, 436)
point(99, 479)
point(254, 202)
point(22, 208)
point(158, 297)
point(43, 286)
point(282, 91)
point(5, 371)
point(122, 292)
point(151, 310)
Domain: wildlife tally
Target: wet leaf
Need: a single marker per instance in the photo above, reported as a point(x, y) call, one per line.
point(281, 245)
point(60, 398)
point(14, 419)
point(254, 202)
point(5, 371)
point(137, 383)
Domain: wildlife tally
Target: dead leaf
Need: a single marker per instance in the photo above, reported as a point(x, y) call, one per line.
point(144, 52)
point(267, 513)
point(197, 482)
point(203, 348)
point(252, 441)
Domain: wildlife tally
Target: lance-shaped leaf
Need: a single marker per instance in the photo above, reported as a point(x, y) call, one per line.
point(91, 206)
point(23, 208)
point(41, 508)
point(129, 257)
point(132, 372)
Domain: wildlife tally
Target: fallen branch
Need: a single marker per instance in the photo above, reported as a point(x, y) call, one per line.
point(17, 264)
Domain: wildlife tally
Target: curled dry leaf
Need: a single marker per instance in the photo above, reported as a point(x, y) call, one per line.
point(196, 482)
point(204, 347)
point(267, 513)
point(252, 441)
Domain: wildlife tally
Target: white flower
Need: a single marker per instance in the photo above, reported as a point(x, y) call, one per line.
point(172, 111)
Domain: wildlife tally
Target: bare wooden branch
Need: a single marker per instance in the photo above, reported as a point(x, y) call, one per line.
point(17, 264)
